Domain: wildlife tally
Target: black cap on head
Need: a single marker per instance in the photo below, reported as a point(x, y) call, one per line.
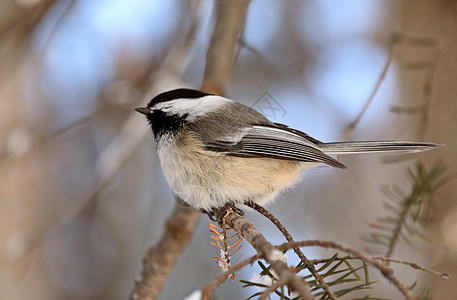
point(176, 94)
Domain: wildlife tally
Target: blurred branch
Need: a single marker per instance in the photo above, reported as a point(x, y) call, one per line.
point(178, 58)
point(108, 165)
point(395, 39)
point(409, 212)
point(427, 88)
point(230, 20)
point(160, 260)
point(349, 130)
point(58, 24)
point(25, 19)
point(5, 155)
point(243, 44)
point(430, 66)
point(14, 33)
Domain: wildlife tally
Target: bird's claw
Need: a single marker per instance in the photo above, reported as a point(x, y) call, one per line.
point(218, 214)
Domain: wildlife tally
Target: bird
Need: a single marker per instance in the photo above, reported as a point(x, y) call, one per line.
point(217, 153)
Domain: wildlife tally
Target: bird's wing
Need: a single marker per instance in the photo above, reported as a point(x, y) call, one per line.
point(271, 141)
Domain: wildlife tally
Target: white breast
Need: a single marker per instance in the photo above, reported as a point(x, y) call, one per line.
point(172, 168)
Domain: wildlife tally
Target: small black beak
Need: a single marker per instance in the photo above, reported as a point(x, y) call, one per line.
point(143, 110)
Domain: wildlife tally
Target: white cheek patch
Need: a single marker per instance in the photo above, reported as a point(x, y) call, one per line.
point(193, 108)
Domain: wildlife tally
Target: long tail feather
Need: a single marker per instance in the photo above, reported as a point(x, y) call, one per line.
point(376, 146)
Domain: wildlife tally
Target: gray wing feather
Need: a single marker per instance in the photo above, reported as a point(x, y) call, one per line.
point(376, 146)
point(271, 142)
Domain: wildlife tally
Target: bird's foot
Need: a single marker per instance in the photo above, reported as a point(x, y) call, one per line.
point(218, 214)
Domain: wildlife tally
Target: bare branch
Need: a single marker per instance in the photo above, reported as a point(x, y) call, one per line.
point(349, 131)
point(159, 260)
point(220, 279)
point(230, 21)
point(414, 266)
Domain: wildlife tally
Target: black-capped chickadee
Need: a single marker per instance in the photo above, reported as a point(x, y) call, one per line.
point(217, 152)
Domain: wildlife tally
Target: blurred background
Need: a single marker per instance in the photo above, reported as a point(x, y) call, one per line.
point(82, 195)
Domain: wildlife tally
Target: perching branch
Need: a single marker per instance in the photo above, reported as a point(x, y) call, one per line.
point(304, 260)
point(220, 279)
point(269, 253)
point(266, 251)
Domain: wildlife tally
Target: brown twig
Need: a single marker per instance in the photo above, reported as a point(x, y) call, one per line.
point(268, 252)
point(386, 259)
point(220, 279)
point(109, 162)
point(159, 260)
point(297, 250)
point(386, 271)
point(272, 288)
point(44, 140)
point(414, 266)
point(349, 130)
